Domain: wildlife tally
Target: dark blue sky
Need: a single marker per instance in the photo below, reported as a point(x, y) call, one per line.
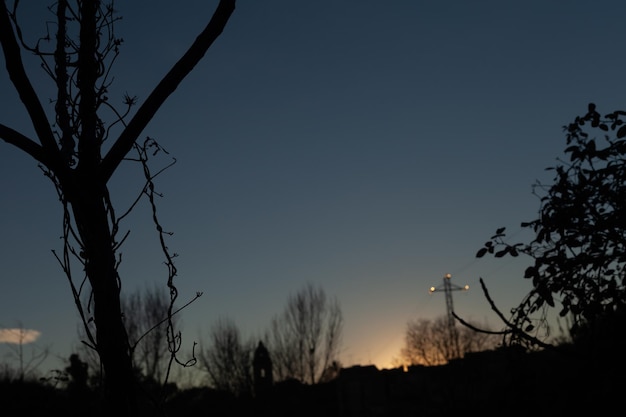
point(368, 147)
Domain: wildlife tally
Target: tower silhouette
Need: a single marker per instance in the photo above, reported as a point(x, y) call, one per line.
point(447, 288)
point(262, 370)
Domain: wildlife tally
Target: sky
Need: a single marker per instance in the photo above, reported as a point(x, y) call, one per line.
point(366, 147)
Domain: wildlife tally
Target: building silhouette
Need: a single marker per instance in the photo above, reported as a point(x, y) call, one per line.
point(262, 371)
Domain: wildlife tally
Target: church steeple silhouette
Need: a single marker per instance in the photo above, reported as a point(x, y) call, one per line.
point(262, 370)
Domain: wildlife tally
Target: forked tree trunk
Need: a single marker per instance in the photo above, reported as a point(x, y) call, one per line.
point(84, 186)
point(86, 193)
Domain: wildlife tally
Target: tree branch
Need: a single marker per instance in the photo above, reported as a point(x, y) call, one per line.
point(23, 86)
point(166, 87)
point(476, 329)
point(89, 142)
point(513, 329)
point(24, 143)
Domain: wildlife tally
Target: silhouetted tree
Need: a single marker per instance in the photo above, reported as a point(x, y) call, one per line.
point(579, 244)
point(332, 371)
point(78, 372)
point(69, 149)
point(145, 315)
point(78, 390)
point(228, 359)
point(427, 342)
point(306, 337)
point(28, 359)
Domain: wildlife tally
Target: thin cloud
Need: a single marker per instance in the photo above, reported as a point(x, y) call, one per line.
point(19, 336)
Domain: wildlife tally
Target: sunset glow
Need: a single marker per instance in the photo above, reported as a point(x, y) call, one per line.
point(309, 148)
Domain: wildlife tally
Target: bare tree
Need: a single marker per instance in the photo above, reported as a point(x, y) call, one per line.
point(305, 338)
point(145, 315)
point(228, 359)
point(69, 149)
point(28, 360)
point(427, 342)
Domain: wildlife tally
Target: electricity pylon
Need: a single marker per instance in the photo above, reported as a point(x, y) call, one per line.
point(447, 288)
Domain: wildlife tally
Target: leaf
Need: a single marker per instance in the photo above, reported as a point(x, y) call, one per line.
point(570, 148)
point(481, 252)
point(591, 146)
point(529, 328)
point(500, 230)
point(501, 253)
point(530, 272)
point(621, 132)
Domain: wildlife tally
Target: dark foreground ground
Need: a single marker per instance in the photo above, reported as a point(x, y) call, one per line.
point(505, 382)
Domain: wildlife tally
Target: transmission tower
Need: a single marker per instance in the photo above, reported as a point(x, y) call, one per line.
point(447, 288)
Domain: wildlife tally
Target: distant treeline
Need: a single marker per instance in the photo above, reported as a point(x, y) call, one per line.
point(567, 380)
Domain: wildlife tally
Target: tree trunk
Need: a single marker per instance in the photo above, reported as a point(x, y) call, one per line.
point(84, 185)
point(90, 214)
